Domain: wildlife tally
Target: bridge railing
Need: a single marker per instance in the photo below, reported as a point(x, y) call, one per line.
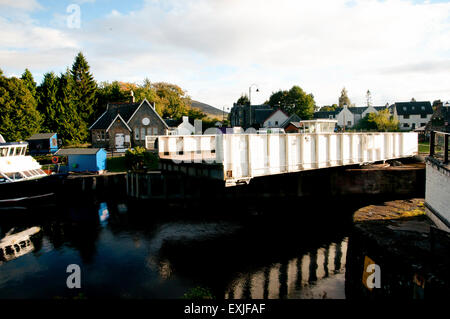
point(439, 146)
point(244, 156)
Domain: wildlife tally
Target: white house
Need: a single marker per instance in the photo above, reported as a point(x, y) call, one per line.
point(345, 118)
point(275, 119)
point(412, 115)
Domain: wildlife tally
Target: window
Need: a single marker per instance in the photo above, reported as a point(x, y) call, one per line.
point(11, 151)
point(349, 123)
point(422, 124)
point(276, 122)
point(423, 108)
point(330, 116)
point(102, 134)
point(405, 125)
point(3, 152)
point(406, 116)
point(142, 133)
point(136, 133)
point(107, 136)
point(423, 116)
point(155, 131)
point(404, 108)
point(149, 131)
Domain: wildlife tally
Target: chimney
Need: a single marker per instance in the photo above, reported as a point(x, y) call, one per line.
point(132, 96)
point(185, 119)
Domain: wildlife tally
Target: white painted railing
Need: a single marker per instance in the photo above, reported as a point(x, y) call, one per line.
point(250, 155)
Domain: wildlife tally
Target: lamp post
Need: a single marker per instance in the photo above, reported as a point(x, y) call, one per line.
point(223, 113)
point(250, 92)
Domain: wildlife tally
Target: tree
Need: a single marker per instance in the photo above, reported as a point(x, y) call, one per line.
point(19, 118)
point(28, 79)
point(328, 108)
point(71, 127)
point(369, 98)
point(382, 121)
point(243, 100)
point(109, 93)
point(48, 102)
point(84, 88)
point(344, 99)
point(294, 101)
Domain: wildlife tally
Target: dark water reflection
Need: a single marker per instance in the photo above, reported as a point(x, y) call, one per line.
point(132, 251)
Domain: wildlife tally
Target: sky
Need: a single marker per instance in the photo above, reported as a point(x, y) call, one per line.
point(217, 50)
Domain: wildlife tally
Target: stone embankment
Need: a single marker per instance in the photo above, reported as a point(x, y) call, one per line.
point(410, 256)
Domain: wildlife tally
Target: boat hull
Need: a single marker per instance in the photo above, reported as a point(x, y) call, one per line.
point(29, 191)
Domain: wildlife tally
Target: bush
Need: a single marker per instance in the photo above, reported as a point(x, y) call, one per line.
point(139, 159)
point(198, 293)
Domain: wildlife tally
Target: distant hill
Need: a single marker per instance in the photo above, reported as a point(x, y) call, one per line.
point(211, 111)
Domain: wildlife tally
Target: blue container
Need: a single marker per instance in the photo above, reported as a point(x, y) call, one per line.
point(85, 159)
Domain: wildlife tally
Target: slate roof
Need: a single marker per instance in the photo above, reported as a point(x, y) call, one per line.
point(324, 114)
point(125, 110)
point(294, 118)
point(77, 151)
point(413, 108)
point(41, 136)
point(262, 114)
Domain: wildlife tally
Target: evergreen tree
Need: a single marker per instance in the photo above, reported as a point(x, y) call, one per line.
point(344, 99)
point(19, 118)
point(28, 79)
point(243, 100)
point(71, 126)
point(47, 94)
point(84, 88)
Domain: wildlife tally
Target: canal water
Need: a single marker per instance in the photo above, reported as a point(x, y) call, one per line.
point(140, 250)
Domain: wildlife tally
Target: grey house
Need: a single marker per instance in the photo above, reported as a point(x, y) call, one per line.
point(125, 125)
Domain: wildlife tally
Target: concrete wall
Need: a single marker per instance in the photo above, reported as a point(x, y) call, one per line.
point(437, 193)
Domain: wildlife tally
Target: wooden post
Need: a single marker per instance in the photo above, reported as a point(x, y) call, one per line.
point(432, 135)
point(446, 148)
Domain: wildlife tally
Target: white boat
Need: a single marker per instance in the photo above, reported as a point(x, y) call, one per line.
point(15, 165)
point(21, 176)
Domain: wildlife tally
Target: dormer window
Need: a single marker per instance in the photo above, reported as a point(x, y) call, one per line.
point(404, 108)
point(423, 108)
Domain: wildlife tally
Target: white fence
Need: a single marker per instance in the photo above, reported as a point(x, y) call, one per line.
point(250, 155)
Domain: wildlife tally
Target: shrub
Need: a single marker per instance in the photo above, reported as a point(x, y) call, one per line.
point(198, 293)
point(139, 159)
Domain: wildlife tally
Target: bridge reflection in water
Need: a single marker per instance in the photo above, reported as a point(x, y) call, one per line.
point(307, 276)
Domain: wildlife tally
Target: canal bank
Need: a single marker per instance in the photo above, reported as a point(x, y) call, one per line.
point(396, 252)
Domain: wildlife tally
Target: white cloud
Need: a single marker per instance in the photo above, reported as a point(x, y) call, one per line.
point(216, 49)
point(27, 5)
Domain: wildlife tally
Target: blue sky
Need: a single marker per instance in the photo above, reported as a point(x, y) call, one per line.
point(215, 49)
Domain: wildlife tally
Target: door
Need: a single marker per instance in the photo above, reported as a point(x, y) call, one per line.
point(120, 139)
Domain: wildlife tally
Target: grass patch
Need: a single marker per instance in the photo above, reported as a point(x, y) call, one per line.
point(116, 164)
point(424, 147)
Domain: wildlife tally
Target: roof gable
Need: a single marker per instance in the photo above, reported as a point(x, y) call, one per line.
point(151, 107)
point(125, 110)
point(113, 121)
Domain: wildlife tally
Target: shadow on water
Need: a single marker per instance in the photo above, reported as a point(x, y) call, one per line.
point(138, 250)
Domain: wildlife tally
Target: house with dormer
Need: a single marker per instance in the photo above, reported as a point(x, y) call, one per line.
point(412, 115)
point(125, 125)
point(348, 116)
